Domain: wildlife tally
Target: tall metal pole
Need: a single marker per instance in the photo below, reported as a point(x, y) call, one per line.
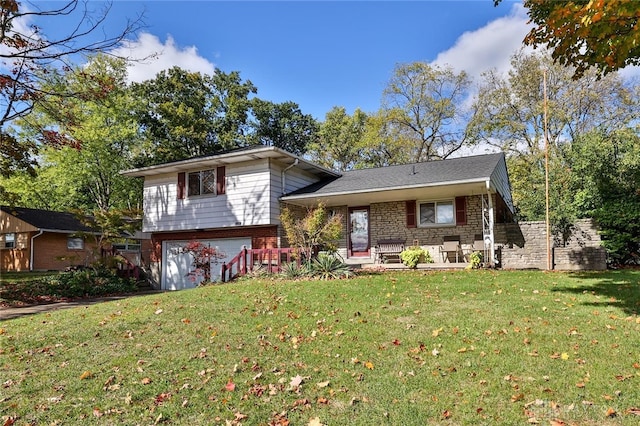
point(546, 170)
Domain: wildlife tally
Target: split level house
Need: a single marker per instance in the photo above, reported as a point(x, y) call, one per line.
point(233, 200)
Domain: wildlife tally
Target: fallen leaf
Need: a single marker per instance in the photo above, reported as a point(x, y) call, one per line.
point(564, 356)
point(611, 412)
point(634, 411)
point(85, 375)
point(315, 422)
point(158, 311)
point(517, 397)
point(323, 384)
point(296, 381)
point(145, 381)
point(230, 386)
point(446, 414)
point(369, 365)
point(435, 333)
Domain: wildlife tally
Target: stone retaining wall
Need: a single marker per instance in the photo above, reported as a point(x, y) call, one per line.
point(524, 246)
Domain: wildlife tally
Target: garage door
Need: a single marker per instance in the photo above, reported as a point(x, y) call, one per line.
point(177, 264)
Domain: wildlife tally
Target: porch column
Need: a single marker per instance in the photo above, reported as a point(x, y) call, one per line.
point(492, 252)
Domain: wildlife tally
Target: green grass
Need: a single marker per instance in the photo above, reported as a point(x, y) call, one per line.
point(406, 348)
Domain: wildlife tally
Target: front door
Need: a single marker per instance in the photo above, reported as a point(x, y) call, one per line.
point(359, 245)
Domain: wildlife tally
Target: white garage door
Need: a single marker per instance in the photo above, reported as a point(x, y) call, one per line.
point(177, 265)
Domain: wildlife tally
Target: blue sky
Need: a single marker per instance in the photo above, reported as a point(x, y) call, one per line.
point(318, 54)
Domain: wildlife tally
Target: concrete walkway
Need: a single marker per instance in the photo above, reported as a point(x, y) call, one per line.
point(11, 313)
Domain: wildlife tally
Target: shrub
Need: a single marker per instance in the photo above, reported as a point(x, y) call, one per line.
point(88, 282)
point(475, 260)
point(411, 256)
point(292, 270)
point(327, 267)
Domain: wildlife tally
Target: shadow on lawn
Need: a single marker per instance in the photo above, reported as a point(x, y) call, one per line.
point(615, 288)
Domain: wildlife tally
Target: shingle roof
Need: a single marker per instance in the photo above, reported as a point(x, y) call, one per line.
point(454, 170)
point(48, 220)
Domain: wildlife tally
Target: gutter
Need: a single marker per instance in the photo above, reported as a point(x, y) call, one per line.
point(32, 249)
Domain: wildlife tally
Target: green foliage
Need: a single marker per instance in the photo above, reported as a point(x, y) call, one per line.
point(475, 260)
point(293, 270)
point(328, 267)
point(424, 108)
point(411, 256)
point(586, 34)
point(283, 126)
point(315, 231)
point(64, 285)
point(339, 144)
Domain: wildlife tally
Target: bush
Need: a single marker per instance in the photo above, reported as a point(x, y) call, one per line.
point(88, 282)
point(475, 260)
point(411, 256)
point(292, 270)
point(328, 267)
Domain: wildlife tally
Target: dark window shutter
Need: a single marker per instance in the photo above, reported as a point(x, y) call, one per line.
point(221, 185)
point(180, 190)
point(411, 214)
point(461, 211)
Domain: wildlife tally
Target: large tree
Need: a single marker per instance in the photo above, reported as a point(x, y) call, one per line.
point(27, 52)
point(424, 108)
point(600, 34)
point(510, 116)
point(187, 114)
point(282, 125)
point(88, 141)
point(339, 142)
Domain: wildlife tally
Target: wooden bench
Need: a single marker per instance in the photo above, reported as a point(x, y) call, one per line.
point(387, 249)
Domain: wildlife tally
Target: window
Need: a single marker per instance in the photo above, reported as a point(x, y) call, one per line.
point(9, 240)
point(436, 213)
point(75, 243)
point(201, 183)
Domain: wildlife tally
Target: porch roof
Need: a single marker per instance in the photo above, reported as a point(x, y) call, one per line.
point(442, 178)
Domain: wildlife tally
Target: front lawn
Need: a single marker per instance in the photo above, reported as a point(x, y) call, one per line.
point(404, 348)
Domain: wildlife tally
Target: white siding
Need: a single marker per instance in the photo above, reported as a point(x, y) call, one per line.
point(294, 178)
point(500, 181)
point(248, 201)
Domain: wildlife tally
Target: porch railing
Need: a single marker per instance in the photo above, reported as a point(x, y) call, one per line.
point(250, 260)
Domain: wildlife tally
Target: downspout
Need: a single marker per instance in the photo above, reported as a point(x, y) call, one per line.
point(31, 249)
point(295, 163)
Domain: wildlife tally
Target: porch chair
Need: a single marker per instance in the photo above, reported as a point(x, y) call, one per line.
point(450, 247)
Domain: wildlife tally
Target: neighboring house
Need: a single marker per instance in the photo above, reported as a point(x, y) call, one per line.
point(233, 200)
point(43, 240)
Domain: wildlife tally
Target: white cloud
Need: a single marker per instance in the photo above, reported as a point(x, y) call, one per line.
point(488, 47)
point(152, 56)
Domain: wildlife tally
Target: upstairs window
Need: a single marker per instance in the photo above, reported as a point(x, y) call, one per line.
point(201, 183)
point(10, 240)
point(436, 213)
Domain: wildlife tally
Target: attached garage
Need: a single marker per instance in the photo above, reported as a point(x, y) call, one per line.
point(177, 264)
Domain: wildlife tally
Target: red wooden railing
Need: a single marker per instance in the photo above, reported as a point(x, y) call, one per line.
point(125, 268)
point(249, 260)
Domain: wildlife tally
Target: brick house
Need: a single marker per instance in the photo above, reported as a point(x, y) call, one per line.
point(43, 240)
point(233, 200)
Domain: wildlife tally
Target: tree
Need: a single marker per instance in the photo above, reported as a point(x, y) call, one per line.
point(282, 125)
point(423, 107)
point(315, 231)
point(339, 142)
point(605, 185)
point(27, 55)
point(600, 34)
point(186, 114)
point(510, 116)
point(88, 140)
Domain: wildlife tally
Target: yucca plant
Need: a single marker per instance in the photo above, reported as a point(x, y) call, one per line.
point(292, 270)
point(328, 267)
